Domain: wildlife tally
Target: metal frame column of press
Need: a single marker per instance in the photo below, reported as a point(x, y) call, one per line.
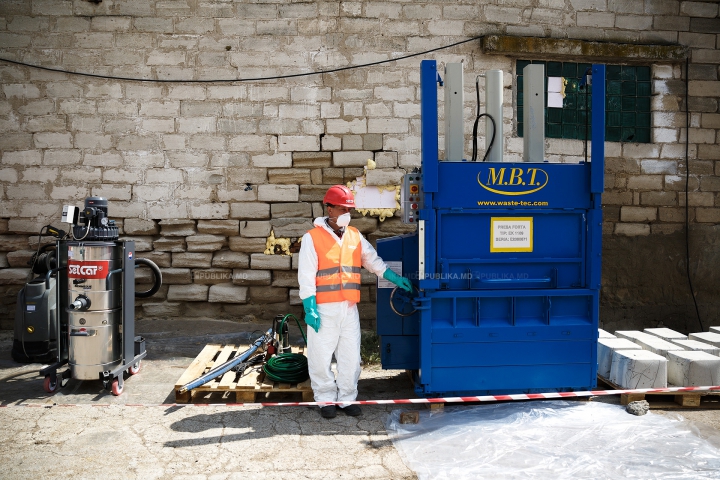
point(506, 260)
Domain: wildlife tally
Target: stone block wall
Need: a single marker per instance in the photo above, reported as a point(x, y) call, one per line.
point(200, 172)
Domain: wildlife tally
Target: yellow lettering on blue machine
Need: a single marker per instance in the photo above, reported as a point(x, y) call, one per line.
point(513, 181)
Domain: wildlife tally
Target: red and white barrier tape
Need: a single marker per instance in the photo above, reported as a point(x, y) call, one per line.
point(405, 401)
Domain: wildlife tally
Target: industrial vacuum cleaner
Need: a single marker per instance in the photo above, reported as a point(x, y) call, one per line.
point(81, 312)
point(506, 258)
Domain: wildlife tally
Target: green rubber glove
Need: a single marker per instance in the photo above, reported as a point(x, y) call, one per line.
point(401, 282)
point(312, 317)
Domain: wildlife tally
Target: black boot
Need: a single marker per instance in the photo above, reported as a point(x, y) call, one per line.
point(352, 410)
point(328, 411)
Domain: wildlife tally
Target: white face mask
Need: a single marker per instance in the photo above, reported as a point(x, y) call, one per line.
point(343, 220)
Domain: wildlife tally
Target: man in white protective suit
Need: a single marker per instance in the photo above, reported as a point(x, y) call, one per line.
point(331, 255)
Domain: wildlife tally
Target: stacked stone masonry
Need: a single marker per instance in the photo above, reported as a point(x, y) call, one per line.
point(199, 174)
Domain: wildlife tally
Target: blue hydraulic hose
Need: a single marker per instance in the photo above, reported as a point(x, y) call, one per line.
point(227, 366)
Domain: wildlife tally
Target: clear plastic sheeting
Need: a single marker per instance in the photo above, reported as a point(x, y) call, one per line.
point(552, 439)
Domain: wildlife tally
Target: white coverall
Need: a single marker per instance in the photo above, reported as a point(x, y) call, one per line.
point(339, 326)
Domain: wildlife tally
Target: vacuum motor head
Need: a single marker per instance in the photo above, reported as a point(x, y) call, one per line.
point(96, 224)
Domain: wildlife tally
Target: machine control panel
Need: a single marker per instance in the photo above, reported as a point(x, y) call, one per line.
point(412, 197)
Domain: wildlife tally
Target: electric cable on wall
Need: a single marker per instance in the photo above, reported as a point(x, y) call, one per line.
point(687, 195)
point(254, 79)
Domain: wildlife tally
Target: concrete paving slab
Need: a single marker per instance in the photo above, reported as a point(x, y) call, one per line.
point(84, 431)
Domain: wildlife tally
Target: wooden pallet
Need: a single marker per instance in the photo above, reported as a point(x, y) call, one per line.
point(229, 388)
point(668, 400)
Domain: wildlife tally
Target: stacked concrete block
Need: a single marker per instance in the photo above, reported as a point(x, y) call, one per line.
point(162, 309)
point(604, 334)
point(15, 276)
point(666, 334)
point(176, 276)
point(161, 259)
point(169, 244)
point(227, 293)
point(658, 345)
point(270, 294)
point(144, 277)
point(20, 258)
point(606, 349)
point(188, 293)
point(192, 259)
point(12, 278)
point(223, 228)
point(212, 276)
point(205, 243)
point(291, 227)
point(634, 335)
point(272, 262)
point(247, 245)
point(142, 244)
point(230, 259)
point(648, 341)
point(177, 227)
point(706, 337)
point(295, 297)
point(638, 369)
point(255, 229)
point(695, 346)
point(288, 278)
point(137, 226)
point(251, 277)
point(693, 369)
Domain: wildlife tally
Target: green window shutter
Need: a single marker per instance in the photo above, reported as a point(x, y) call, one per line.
point(627, 104)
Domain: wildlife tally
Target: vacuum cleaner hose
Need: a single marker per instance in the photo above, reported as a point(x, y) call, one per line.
point(156, 274)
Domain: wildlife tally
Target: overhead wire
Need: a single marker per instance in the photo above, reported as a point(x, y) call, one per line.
point(237, 80)
point(687, 195)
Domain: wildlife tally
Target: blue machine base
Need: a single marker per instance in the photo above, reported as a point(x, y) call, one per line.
point(489, 342)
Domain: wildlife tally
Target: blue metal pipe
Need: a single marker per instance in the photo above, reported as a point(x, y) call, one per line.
point(227, 366)
point(429, 78)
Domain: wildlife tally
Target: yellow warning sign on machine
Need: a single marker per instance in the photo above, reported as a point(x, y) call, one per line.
point(511, 234)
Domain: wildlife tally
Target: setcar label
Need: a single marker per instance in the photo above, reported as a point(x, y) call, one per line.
point(94, 270)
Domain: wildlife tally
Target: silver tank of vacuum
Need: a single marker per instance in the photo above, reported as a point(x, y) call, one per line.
point(94, 308)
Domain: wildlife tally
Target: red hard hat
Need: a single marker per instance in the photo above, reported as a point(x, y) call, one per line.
point(339, 195)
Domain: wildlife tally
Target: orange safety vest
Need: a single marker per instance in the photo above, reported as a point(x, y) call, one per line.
point(338, 275)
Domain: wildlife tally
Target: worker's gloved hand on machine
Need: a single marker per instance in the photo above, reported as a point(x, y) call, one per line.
point(312, 317)
point(401, 282)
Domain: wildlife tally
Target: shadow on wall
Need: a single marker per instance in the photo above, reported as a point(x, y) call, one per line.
point(644, 281)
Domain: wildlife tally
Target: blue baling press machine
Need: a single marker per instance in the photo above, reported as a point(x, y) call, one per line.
point(506, 256)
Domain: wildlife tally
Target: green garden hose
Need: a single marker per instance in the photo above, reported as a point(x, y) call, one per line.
point(287, 367)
